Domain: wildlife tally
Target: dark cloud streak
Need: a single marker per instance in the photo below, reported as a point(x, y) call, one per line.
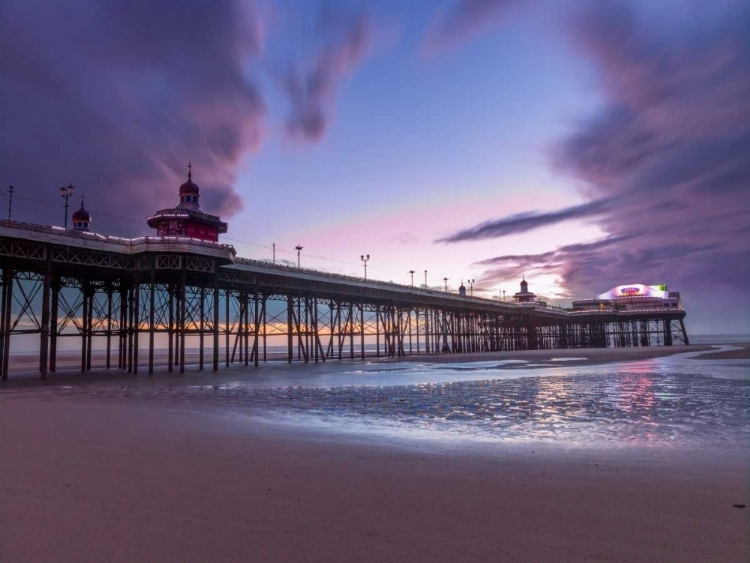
point(523, 222)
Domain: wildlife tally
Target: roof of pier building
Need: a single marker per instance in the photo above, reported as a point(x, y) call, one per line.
point(81, 219)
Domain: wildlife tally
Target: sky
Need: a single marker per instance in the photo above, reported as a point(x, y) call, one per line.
point(582, 144)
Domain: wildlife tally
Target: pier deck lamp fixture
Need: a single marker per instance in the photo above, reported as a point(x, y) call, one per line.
point(471, 287)
point(365, 260)
point(446, 283)
point(425, 279)
point(66, 192)
point(412, 277)
point(298, 248)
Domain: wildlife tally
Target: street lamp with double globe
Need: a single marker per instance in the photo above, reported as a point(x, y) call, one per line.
point(66, 192)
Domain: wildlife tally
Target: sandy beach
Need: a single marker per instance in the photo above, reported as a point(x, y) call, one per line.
point(90, 476)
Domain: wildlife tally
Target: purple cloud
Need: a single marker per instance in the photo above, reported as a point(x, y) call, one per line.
point(467, 18)
point(116, 97)
point(312, 91)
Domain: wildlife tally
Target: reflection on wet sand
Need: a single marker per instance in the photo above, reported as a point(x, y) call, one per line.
point(673, 401)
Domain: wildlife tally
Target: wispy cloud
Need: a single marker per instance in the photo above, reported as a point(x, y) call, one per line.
point(466, 19)
point(312, 86)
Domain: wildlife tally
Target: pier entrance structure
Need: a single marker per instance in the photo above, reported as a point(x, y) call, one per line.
point(123, 302)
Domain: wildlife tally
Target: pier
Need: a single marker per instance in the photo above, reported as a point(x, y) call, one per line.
point(127, 298)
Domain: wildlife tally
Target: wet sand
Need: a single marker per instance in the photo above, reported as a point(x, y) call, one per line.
point(91, 479)
point(743, 353)
point(24, 370)
point(581, 356)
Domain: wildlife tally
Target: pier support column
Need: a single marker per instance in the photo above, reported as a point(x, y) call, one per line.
point(53, 325)
point(109, 325)
point(6, 302)
point(170, 327)
point(151, 320)
point(684, 332)
point(289, 325)
point(265, 330)
point(228, 321)
point(667, 332)
point(182, 324)
point(362, 330)
point(44, 336)
point(201, 327)
point(256, 329)
point(122, 340)
point(84, 323)
point(216, 320)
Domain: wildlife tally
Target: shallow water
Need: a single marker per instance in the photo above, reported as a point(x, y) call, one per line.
point(673, 401)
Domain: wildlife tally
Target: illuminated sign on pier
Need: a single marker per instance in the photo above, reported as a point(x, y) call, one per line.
point(636, 290)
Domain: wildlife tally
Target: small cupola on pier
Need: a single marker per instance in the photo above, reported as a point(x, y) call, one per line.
point(462, 289)
point(524, 296)
point(187, 219)
point(190, 193)
point(81, 219)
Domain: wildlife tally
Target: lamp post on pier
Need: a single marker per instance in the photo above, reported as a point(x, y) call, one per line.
point(471, 287)
point(65, 193)
point(364, 260)
point(412, 277)
point(425, 279)
point(446, 283)
point(298, 248)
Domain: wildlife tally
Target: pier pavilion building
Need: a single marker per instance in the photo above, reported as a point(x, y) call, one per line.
point(187, 220)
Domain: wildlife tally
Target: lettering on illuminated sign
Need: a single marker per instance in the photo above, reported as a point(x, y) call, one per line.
point(629, 291)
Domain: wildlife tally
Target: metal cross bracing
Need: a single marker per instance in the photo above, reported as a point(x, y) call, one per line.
point(170, 303)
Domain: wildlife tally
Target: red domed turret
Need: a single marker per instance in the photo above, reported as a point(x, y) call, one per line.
point(81, 219)
point(190, 193)
point(187, 219)
point(524, 296)
point(190, 187)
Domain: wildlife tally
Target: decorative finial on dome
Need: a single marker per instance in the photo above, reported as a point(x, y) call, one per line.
point(82, 196)
point(190, 171)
